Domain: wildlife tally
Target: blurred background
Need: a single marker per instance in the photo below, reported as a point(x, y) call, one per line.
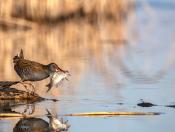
point(66, 32)
point(116, 51)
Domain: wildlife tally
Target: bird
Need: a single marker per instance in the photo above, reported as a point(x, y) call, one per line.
point(56, 124)
point(32, 71)
point(56, 78)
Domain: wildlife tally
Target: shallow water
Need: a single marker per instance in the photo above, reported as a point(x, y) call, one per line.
point(110, 63)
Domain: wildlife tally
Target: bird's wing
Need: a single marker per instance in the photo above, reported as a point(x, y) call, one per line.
point(31, 66)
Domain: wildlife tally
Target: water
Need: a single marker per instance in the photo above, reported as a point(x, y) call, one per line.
point(110, 63)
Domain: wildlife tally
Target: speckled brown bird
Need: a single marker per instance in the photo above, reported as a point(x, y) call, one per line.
point(31, 70)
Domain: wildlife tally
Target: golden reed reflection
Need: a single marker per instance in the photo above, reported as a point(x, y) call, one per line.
point(37, 10)
point(68, 44)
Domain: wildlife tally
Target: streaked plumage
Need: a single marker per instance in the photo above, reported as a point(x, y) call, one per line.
point(31, 70)
point(31, 125)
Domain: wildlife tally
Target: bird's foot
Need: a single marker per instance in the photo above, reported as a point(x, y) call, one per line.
point(32, 92)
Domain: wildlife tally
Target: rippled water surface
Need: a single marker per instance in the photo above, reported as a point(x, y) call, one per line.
point(110, 63)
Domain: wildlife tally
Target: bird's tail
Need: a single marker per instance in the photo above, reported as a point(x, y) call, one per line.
point(18, 56)
point(21, 55)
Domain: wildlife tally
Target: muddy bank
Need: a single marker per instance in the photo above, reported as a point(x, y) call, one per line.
point(15, 94)
point(11, 98)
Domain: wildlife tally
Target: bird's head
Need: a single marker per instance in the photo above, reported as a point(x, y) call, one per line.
point(54, 68)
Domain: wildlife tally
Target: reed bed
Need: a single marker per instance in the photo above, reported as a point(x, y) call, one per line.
point(55, 10)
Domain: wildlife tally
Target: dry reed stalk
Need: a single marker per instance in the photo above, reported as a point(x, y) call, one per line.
point(6, 115)
point(103, 114)
point(5, 8)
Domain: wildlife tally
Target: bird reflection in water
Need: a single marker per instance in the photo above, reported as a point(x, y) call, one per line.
point(9, 106)
point(32, 125)
point(30, 109)
point(39, 125)
point(57, 125)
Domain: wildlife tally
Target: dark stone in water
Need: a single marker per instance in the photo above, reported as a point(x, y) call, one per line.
point(172, 106)
point(120, 103)
point(145, 104)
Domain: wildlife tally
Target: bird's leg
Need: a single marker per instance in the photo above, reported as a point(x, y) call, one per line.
point(32, 109)
point(27, 90)
point(26, 108)
point(33, 87)
point(25, 86)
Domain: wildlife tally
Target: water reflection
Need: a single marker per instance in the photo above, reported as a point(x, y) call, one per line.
point(64, 44)
point(78, 46)
point(31, 125)
point(7, 105)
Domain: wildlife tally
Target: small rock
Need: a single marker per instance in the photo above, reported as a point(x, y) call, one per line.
point(145, 104)
point(172, 106)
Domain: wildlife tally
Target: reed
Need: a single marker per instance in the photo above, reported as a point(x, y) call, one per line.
point(111, 114)
point(53, 10)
